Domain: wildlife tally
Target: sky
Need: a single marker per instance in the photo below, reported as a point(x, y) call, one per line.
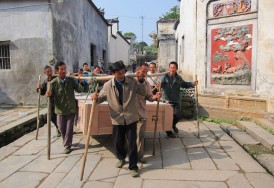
point(130, 13)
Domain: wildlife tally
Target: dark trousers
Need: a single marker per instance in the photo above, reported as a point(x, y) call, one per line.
point(120, 133)
point(65, 124)
point(54, 118)
point(176, 115)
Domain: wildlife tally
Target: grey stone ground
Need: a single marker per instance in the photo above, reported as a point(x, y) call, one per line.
point(186, 161)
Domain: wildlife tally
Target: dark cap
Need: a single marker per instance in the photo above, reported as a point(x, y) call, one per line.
point(118, 65)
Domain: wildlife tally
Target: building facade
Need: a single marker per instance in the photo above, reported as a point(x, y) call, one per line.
point(119, 46)
point(166, 42)
point(39, 31)
point(229, 46)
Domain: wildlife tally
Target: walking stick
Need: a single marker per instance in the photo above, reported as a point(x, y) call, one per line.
point(155, 118)
point(197, 108)
point(38, 106)
point(88, 135)
point(49, 120)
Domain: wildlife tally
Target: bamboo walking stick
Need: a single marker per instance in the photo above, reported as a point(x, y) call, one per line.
point(49, 120)
point(38, 107)
point(197, 108)
point(155, 118)
point(88, 135)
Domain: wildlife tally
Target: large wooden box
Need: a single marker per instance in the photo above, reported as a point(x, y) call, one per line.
point(101, 123)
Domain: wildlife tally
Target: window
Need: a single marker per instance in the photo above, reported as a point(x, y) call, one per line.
point(92, 54)
point(104, 56)
point(4, 54)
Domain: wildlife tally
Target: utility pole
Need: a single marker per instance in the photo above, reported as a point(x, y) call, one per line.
point(142, 17)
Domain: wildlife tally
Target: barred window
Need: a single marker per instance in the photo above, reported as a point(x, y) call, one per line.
point(4, 54)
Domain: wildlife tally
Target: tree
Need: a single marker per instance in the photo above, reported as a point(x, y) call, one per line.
point(174, 13)
point(141, 45)
point(130, 36)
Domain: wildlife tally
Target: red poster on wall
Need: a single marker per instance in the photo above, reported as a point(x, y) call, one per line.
point(231, 55)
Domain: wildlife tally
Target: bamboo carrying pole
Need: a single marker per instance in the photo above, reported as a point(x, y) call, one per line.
point(38, 107)
point(156, 122)
point(49, 120)
point(197, 108)
point(88, 135)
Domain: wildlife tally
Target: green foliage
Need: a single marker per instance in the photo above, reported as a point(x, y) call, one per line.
point(214, 120)
point(141, 45)
point(130, 35)
point(174, 13)
point(151, 49)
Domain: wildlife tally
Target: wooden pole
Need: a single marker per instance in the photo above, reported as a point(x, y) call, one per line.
point(38, 107)
point(156, 122)
point(197, 108)
point(108, 77)
point(49, 120)
point(88, 135)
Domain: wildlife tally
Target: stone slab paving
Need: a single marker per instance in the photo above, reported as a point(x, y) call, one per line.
point(182, 184)
point(23, 179)
point(186, 161)
point(238, 181)
point(222, 159)
point(260, 180)
point(199, 159)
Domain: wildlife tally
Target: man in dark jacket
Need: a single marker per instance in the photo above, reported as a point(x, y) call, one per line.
point(171, 84)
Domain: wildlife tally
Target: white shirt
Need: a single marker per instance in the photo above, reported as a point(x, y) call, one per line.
point(152, 80)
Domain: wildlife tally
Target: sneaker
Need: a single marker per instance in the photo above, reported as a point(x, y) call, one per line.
point(171, 135)
point(67, 150)
point(142, 161)
point(134, 173)
point(120, 164)
point(175, 129)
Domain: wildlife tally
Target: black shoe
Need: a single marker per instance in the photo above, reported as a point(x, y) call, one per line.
point(171, 135)
point(175, 129)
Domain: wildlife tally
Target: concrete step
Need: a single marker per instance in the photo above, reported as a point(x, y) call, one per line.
point(237, 134)
point(257, 132)
point(267, 124)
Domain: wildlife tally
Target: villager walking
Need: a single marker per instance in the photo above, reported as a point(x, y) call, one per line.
point(120, 92)
point(43, 89)
point(153, 81)
point(62, 92)
point(171, 84)
point(142, 110)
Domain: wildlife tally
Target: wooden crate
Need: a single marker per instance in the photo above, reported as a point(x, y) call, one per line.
point(101, 123)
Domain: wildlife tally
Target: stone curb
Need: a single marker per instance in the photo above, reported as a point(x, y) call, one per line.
point(20, 127)
point(264, 137)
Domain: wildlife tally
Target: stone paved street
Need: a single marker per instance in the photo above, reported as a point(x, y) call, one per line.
point(185, 161)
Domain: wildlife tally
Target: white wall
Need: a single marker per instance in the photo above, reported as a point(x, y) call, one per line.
point(28, 28)
point(118, 46)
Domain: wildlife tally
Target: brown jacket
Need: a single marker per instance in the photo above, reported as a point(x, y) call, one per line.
point(128, 112)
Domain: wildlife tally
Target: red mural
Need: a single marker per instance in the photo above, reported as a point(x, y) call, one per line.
point(231, 55)
point(231, 7)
